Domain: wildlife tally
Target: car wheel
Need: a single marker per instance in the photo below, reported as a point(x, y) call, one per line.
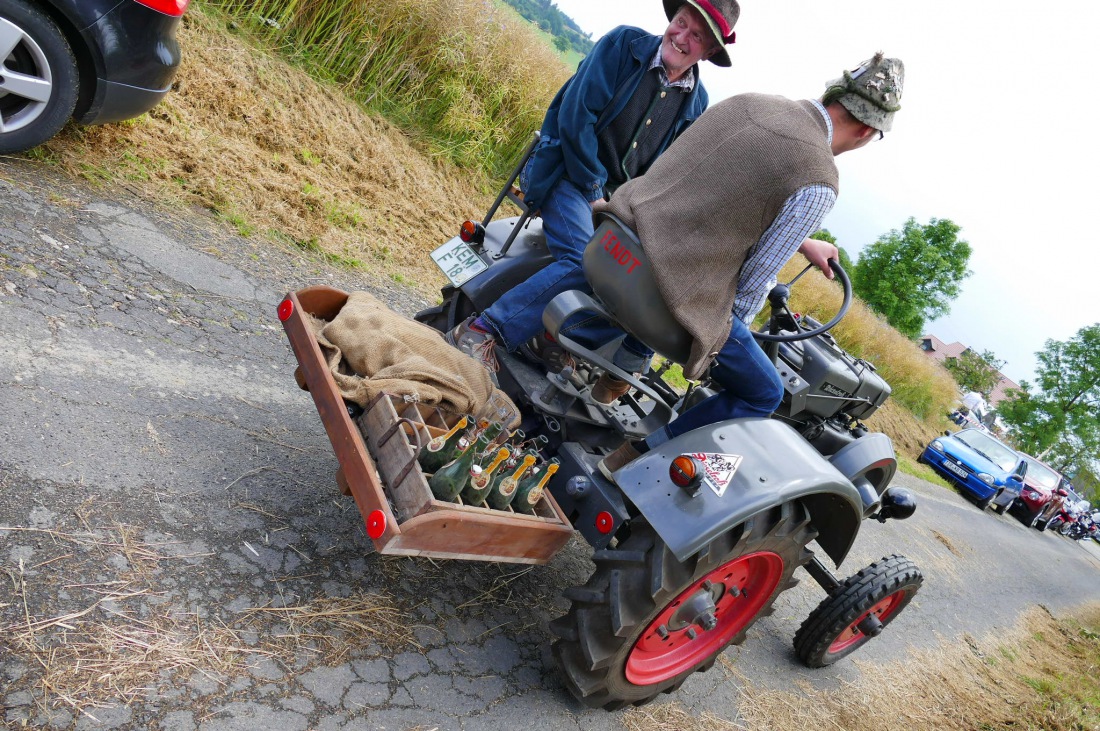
point(38, 77)
point(1033, 519)
point(983, 504)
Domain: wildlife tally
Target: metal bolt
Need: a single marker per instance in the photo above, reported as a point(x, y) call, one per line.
point(706, 585)
point(708, 621)
point(691, 633)
point(662, 632)
point(763, 479)
point(734, 591)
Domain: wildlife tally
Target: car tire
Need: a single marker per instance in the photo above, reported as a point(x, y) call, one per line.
point(39, 76)
point(983, 504)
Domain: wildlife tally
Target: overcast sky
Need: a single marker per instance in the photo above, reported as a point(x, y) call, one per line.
point(997, 132)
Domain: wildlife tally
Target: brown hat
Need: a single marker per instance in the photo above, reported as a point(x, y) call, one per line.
point(721, 16)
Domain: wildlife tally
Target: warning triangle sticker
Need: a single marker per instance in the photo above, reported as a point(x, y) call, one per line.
point(718, 469)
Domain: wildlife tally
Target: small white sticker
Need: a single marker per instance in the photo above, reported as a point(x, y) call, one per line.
point(718, 469)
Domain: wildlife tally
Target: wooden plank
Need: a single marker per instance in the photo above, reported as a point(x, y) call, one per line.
point(356, 467)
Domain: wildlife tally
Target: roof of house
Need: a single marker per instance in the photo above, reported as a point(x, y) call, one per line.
point(941, 351)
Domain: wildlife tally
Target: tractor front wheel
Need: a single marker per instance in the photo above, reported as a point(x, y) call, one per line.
point(645, 621)
point(856, 611)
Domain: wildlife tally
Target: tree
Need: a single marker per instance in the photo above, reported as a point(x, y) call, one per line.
point(975, 371)
point(912, 275)
point(1060, 422)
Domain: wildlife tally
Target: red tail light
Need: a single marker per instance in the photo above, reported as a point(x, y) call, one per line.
point(472, 232)
point(175, 8)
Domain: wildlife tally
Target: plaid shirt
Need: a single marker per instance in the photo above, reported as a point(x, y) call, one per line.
point(800, 216)
point(685, 82)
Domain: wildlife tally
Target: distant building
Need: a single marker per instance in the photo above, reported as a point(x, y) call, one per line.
point(941, 351)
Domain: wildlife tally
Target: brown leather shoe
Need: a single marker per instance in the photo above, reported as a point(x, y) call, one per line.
point(609, 389)
point(624, 455)
point(552, 356)
point(474, 342)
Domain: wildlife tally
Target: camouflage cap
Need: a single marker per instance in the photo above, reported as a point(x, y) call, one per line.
point(871, 92)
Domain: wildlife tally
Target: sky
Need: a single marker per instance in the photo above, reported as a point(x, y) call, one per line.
point(996, 133)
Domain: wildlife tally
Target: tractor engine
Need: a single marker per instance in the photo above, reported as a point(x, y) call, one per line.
point(827, 391)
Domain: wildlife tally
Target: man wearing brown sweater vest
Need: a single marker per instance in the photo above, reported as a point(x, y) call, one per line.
point(726, 207)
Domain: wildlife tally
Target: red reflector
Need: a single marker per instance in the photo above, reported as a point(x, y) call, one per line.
point(376, 524)
point(682, 471)
point(286, 309)
point(605, 523)
point(175, 8)
point(466, 233)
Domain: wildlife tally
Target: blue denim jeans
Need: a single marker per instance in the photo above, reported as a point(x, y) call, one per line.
point(751, 387)
point(517, 316)
point(567, 224)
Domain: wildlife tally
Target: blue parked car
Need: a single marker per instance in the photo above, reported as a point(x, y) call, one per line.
point(989, 471)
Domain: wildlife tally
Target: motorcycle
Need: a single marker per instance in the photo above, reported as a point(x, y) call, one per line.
point(693, 541)
point(1075, 522)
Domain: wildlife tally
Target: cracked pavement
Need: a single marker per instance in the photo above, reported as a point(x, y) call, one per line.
point(175, 553)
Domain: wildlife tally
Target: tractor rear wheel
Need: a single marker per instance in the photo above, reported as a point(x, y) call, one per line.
point(645, 621)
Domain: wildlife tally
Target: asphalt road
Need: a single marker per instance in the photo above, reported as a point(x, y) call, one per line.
point(162, 478)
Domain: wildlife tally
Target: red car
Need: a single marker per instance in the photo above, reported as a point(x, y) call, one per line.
point(1040, 483)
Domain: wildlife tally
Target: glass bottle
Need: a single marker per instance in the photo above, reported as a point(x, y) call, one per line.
point(504, 488)
point(530, 490)
point(478, 488)
point(441, 450)
point(451, 478)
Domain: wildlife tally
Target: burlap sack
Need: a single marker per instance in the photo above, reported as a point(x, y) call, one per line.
point(371, 349)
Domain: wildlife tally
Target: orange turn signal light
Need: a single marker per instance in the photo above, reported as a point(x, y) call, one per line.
point(684, 471)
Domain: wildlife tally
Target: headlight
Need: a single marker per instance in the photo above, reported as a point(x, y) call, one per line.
point(936, 445)
point(985, 477)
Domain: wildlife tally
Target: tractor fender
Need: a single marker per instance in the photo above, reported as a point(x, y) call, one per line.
point(773, 465)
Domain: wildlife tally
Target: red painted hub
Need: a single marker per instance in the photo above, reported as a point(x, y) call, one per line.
point(852, 634)
point(726, 599)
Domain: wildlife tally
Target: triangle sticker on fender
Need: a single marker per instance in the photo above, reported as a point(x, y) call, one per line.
point(718, 469)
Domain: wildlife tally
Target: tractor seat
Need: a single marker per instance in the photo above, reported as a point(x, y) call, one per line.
point(621, 276)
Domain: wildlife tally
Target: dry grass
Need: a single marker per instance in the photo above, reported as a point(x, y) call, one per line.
point(332, 628)
point(1042, 675)
point(120, 639)
point(279, 155)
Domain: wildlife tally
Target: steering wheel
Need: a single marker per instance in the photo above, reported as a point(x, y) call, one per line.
point(781, 294)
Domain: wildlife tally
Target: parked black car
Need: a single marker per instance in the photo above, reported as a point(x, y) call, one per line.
point(93, 60)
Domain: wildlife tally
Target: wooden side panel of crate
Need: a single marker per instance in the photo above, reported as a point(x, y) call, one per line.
point(357, 473)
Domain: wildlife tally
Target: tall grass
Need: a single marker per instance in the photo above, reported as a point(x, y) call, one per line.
point(465, 74)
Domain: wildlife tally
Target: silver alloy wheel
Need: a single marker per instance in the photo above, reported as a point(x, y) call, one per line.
point(24, 74)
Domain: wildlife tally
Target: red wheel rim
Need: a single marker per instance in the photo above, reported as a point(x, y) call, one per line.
point(852, 634)
point(737, 590)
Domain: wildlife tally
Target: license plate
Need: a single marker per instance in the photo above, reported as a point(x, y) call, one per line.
point(952, 467)
point(458, 261)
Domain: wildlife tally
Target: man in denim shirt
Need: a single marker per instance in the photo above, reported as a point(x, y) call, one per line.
point(630, 98)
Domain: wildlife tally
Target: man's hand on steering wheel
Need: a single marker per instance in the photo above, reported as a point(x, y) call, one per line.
point(819, 253)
